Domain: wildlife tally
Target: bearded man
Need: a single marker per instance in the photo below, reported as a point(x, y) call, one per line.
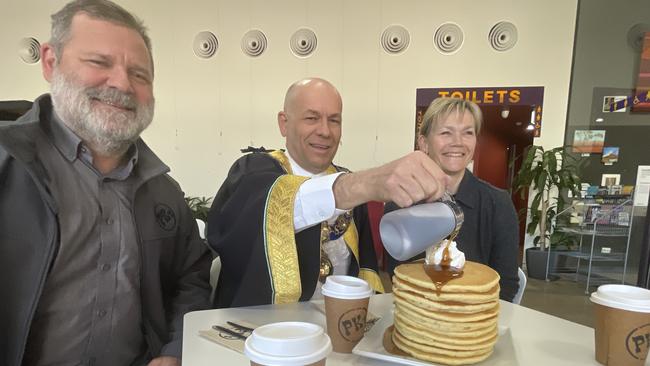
point(100, 255)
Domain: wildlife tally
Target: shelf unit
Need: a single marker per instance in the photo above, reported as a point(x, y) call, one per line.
point(595, 218)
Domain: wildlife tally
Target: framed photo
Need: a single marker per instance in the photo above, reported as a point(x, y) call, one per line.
point(614, 103)
point(588, 141)
point(609, 180)
point(610, 155)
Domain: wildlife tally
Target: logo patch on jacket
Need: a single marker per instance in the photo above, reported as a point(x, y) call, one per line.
point(165, 217)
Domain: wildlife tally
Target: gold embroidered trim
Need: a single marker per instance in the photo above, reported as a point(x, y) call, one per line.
point(372, 278)
point(282, 159)
point(351, 236)
point(331, 169)
point(280, 241)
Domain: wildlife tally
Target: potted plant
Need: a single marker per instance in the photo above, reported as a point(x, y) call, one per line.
point(551, 174)
point(200, 207)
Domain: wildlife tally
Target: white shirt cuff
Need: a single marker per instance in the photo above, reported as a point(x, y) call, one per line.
point(315, 202)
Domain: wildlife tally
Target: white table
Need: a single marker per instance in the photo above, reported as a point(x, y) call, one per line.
point(538, 338)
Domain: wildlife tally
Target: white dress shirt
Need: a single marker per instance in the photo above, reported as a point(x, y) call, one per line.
point(314, 204)
point(315, 201)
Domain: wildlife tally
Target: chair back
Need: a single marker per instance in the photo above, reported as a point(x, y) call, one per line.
point(375, 212)
point(215, 269)
point(201, 224)
point(522, 286)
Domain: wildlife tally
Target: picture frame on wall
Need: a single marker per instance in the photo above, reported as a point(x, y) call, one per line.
point(610, 155)
point(588, 141)
point(611, 103)
point(608, 180)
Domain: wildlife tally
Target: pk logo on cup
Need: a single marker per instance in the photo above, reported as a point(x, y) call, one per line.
point(352, 324)
point(638, 342)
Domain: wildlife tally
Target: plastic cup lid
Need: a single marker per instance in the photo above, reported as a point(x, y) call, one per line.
point(287, 343)
point(623, 297)
point(346, 287)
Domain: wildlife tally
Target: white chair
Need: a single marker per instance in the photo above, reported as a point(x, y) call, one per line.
point(215, 269)
point(522, 286)
point(201, 224)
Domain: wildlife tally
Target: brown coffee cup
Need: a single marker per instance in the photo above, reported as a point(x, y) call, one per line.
point(346, 307)
point(622, 324)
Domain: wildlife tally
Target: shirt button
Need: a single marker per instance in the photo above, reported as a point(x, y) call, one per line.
point(321, 213)
point(105, 267)
point(101, 313)
point(109, 221)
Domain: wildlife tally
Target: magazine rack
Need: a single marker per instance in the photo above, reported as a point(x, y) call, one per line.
point(597, 221)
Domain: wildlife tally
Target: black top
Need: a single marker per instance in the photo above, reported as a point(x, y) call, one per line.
point(490, 232)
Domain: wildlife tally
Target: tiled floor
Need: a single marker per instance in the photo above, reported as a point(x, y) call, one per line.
point(562, 298)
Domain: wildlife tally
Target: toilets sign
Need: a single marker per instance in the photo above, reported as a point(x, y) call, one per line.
point(504, 96)
point(532, 96)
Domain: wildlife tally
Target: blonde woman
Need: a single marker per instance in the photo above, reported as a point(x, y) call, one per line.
point(490, 232)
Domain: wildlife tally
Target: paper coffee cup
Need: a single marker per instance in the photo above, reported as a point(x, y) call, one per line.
point(288, 344)
point(622, 326)
point(346, 307)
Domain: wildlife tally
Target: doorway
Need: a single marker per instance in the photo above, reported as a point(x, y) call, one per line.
point(498, 155)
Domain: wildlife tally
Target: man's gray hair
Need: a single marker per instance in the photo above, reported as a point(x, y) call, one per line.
point(97, 9)
point(442, 107)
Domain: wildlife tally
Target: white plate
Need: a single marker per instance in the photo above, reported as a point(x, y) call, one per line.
point(371, 346)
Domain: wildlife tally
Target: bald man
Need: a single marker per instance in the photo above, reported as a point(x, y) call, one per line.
point(285, 220)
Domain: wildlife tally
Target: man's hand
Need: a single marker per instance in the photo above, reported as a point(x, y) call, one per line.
point(405, 181)
point(165, 361)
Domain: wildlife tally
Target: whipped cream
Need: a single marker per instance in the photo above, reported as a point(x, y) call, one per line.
point(434, 254)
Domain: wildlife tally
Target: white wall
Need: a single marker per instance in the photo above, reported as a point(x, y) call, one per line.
point(208, 109)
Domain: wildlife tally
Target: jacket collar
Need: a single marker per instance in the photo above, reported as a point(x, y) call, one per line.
point(18, 139)
point(467, 192)
point(149, 164)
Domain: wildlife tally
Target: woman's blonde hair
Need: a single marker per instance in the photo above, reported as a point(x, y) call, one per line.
point(442, 107)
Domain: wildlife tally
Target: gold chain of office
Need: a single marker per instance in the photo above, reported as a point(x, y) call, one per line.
point(329, 233)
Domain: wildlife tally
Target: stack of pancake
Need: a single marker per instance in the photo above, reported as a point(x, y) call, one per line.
point(456, 326)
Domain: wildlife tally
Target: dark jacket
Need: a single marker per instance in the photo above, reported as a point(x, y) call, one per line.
point(175, 263)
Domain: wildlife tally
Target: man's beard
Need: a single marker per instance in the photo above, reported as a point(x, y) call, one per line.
point(106, 131)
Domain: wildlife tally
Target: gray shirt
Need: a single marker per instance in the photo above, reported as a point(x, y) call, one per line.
point(90, 311)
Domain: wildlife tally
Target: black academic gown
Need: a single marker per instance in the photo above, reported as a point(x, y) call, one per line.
point(250, 226)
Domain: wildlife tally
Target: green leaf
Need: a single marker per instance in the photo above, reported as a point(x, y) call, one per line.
point(545, 171)
point(536, 200)
point(540, 181)
point(200, 206)
point(530, 229)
